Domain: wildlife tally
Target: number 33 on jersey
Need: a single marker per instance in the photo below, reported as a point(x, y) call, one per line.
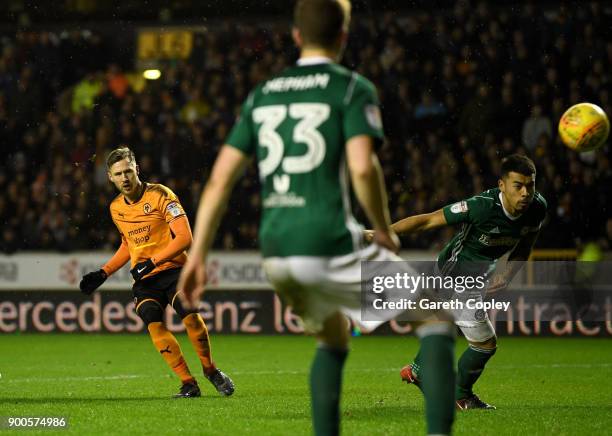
point(297, 125)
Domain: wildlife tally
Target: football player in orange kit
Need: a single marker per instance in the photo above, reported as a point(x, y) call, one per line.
point(155, 234)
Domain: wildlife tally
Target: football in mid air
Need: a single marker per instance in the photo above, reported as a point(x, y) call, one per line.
point(584, 127)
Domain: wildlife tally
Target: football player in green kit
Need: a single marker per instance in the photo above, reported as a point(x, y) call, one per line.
point(313, 130)
point(506, 219)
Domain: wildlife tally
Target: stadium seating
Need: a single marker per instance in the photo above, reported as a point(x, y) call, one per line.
point(458, 90)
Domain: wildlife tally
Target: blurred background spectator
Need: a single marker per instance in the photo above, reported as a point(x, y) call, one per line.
point(460, 88)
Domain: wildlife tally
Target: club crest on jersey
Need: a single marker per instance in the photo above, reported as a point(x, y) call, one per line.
point(147, 208)
point(460, 207)
point(372, 114)
point(174, 209)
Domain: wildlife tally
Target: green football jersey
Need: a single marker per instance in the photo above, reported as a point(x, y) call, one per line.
point(297, 124)
point(488, 231)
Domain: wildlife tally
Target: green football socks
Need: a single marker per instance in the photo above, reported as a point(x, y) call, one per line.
point(325, 386)
point(416, 365)
point(437, 376)
point(471, 364)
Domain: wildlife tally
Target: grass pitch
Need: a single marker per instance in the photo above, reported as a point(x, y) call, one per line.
point(109, 384)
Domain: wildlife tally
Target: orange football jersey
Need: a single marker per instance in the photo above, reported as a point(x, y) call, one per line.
point(145, 224)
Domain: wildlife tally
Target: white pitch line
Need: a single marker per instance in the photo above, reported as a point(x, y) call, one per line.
point(62, 379)
point(557, 365)
point(553, 365)
point(286, 372)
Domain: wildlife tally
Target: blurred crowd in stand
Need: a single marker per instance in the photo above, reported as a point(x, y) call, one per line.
point(459, 89)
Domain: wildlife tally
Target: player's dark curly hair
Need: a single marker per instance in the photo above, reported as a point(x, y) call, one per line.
point(118, 154)
point(518, 163)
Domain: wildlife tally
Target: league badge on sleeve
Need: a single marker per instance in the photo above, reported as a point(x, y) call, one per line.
point(174, 209)
point(460, 207)
point(372, 113)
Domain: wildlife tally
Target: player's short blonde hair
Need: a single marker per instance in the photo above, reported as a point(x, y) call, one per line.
point(118, 154)
point(321, 21)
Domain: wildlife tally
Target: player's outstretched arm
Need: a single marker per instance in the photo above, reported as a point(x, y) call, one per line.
point(369, 185)
point(415, 224)
point(227, 168)
point(93, 280)
point(420, 223)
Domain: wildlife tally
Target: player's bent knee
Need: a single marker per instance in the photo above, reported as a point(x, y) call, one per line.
point(150, 311)
point(179, 309)
point(489, 344)
point(492, 343)
point(336, 332)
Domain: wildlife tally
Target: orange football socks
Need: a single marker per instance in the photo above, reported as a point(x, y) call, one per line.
point(198, 335)
point(170, 350)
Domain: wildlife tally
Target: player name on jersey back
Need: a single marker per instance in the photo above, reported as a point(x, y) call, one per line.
point(298, 83)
